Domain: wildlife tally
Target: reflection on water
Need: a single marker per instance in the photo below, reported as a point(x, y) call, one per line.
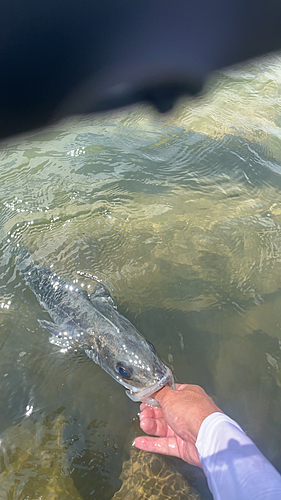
point(180, 217)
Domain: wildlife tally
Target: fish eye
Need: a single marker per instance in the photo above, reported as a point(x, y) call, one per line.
point(123, 370)
point(151, 346)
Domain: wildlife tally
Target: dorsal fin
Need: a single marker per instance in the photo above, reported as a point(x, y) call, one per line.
point(102, 293)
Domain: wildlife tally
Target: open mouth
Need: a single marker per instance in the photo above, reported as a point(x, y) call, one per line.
point(143, 395)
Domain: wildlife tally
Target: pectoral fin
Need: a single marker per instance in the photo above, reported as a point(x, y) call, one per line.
point(59, 336)
point(102, 293)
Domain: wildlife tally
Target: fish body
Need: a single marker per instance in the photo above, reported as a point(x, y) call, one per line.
point(92, 322)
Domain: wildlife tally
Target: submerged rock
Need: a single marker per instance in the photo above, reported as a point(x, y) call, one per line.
point(34, 465)
point(33, 462)
point(149, 476)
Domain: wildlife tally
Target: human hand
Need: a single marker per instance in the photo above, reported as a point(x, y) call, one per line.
point(176, 424)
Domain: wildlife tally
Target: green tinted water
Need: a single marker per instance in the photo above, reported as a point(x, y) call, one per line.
point(180, 216)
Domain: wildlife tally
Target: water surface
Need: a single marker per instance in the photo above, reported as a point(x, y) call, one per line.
point(180, 217)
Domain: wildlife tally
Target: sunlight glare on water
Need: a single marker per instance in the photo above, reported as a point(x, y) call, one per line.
point(179, 216)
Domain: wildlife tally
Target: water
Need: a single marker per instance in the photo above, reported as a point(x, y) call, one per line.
point(180, 217)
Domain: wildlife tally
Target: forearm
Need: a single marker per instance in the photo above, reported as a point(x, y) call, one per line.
point(234, 467)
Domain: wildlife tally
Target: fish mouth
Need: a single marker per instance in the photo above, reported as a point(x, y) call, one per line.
point(143, 395)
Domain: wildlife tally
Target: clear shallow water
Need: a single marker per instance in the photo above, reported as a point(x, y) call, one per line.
point(180, 217)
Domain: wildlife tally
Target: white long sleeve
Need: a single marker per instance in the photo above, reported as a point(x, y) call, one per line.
point(234, 467)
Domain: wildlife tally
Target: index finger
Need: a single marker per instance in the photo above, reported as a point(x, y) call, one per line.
point(150, 412)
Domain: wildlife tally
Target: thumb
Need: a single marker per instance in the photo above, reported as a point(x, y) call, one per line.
point(161, 395)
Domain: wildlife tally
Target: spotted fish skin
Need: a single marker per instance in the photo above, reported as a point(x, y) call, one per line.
point(94, 324)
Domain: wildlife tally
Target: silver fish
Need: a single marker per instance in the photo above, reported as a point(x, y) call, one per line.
point(93, 324)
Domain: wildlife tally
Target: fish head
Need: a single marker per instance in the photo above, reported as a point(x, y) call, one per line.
point(133, 362)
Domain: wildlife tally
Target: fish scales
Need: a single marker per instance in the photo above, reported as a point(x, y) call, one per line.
point(94, 324)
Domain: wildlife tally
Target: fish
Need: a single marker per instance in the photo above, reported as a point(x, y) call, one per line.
point(92, 322)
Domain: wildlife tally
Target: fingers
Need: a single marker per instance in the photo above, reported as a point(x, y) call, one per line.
point(153, 422)
point(156, 426)
point(166, 446)
point(150, 411)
